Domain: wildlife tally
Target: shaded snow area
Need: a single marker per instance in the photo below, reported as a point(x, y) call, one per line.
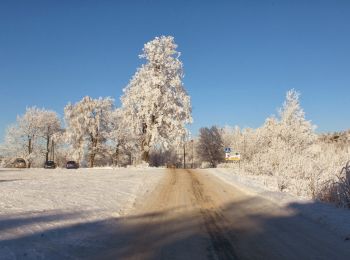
point(334, 219)
point(50, 213)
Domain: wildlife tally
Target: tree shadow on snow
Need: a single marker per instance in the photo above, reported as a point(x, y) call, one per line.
point(11, 180)
point(247, 229)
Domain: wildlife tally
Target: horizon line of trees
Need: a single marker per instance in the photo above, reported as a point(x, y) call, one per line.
point(96, 129)
point(285, 149)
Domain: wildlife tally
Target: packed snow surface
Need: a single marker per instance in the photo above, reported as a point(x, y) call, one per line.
point(334, 219)
point(47, 207)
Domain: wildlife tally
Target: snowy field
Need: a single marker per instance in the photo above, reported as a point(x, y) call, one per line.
point(58, 209)
point(335, 219)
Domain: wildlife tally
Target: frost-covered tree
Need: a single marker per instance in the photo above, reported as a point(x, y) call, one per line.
point(25, 137)
point(15, 145)
point(287, 150)
point(155, 103)
point(294, 129)
point(50, 125)
point(243, 141)
point(283, 141)
point(123, 144)
point(88, 126)
point(29, 126)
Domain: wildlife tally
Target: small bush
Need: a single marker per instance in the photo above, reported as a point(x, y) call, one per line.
point(337, 191)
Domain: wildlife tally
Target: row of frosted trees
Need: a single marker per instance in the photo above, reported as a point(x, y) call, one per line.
point(287, 150)
point(152, 119)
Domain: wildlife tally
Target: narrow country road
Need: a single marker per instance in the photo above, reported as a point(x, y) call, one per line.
point(193, 215)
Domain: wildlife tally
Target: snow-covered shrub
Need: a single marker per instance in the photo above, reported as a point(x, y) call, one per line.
point(159, 157)
point(244, 141)
point(287, 149)
point(232, 165)
point(7, 162)
point(205, 165)
point(337, 191)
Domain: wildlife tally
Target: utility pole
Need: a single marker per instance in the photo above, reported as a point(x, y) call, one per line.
point(184, 155)
point(192, 153)
point(244, 155)
point(53, 150)
point(47, 144)
point(244, 145)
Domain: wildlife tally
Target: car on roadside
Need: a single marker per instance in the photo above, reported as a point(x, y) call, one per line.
point(19, 163)
point(50, 165)
point(72, 165)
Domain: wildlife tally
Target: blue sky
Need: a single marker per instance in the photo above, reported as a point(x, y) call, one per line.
point(240, 57)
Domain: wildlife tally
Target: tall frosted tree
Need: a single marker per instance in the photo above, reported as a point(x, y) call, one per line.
point(155, 102)
point(88, 126)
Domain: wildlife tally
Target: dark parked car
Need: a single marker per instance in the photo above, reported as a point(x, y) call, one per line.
point(72, 165)
point(50, 165)
point(19, 163)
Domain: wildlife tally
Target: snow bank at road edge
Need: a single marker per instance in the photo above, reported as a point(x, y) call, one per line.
point(335, 219)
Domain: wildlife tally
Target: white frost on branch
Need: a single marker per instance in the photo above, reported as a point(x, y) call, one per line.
point(87, 125)
point(155, 104)
point(28, 137)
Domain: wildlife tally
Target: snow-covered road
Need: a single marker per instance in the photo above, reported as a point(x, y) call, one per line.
point(194, 215)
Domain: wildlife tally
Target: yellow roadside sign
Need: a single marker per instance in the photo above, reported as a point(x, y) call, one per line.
point(233, 157)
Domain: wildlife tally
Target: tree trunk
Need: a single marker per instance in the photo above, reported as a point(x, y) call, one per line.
point(53, 150)
point(93, 151)
point(145, 156)
point(47, 147)
point(145, 149)
point(29, 150)
point(145, 144)
point(92, 160)
point(116, 155)
point(184, 155)
point(130, 158)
